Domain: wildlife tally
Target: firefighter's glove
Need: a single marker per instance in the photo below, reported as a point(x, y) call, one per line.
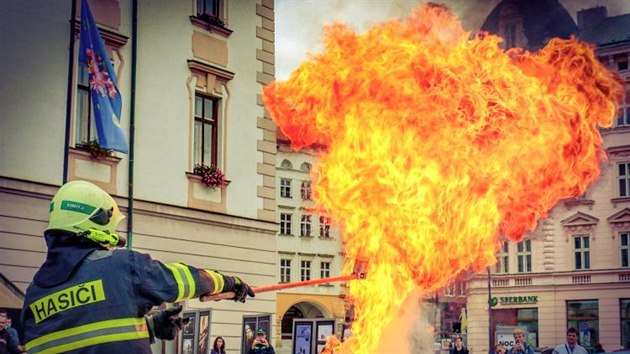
point(163, 325)
point(240, 288)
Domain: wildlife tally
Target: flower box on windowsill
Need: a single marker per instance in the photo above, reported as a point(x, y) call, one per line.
point(210, 25)
point(194, 176)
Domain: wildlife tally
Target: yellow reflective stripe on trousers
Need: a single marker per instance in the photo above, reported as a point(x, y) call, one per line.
point(217, 279)
point(185, 282)
point(89, 334)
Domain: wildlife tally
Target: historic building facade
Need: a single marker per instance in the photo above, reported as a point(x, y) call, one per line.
point(309, 247)
point(190, 74)
point(573, 270)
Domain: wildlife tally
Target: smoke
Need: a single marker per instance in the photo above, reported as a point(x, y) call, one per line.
point(299, 23)
point(413, 330)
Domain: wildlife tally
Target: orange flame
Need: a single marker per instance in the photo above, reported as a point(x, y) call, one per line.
point(437, 143)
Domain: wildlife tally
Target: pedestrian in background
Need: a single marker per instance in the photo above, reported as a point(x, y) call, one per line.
point(520, 345)
point(260, 344)
point(571, 346)
point(7, 346)
point(218, 347)
point(14, 338)
point(459, 346)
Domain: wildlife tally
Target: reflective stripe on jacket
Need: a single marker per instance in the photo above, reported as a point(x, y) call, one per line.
point(100, 308)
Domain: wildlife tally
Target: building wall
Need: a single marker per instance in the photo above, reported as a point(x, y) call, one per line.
point(175, 218)
point(328, 298)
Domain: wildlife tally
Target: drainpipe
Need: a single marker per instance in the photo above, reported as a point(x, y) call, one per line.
point(132, 116)
point(66, 144)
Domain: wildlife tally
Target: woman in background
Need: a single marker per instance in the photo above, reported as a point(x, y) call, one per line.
point(219, 346)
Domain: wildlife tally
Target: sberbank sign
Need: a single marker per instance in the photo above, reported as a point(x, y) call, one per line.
point(513, 300)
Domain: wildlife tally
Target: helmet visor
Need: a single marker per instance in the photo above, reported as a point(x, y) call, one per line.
point(102, 216)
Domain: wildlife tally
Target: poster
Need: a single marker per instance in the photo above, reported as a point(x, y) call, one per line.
point(188, 333)
point(302, 338)
point(325, 330)
point(249, 330)
point(204, 331)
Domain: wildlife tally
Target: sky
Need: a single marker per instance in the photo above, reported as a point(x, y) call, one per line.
point(299, 23)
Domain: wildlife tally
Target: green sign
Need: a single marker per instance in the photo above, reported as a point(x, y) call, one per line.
point(515, 300)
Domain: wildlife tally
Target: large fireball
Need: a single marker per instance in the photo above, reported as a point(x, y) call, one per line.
point(438, 143)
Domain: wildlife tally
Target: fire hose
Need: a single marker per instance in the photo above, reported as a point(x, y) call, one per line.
point(359, 272)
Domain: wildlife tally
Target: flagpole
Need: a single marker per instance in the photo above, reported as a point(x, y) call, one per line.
point(70, 90)
point(132, 118)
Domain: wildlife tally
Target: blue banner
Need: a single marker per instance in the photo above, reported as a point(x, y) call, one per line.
point(106, 98)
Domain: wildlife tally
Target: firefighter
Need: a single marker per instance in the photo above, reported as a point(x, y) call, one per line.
point(89, 297)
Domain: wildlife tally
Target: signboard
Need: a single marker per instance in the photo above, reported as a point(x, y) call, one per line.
point(504, 335)
point(513, 300)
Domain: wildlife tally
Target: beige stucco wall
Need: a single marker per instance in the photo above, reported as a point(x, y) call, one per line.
point(238, 240)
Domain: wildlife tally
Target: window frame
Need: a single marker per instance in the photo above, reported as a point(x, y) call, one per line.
point(285, 188)
point(217, 11)
point(306, 225)
point(524, 256)
point(305, 269)
point(286, 223)
point(324, 227)
point(285, 270)
point(214, 129)
point(306, 191)
point(625, 178)
point(625, 249)
point(585, 252)
point(503, 259)
point(324, 271)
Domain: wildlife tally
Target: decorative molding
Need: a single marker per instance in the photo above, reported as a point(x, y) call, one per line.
point(620, 200)
point(619, 151)
point(620, 221)
point(110, 37)
point(574, 202)
point(579, 222)
point(210, 69)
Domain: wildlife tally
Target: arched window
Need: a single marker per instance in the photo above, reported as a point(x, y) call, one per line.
point(306, 167)
point(286, 164)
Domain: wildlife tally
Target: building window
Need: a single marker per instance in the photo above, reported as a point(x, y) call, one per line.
point(305, 270)
point(581, 251)
point(285, 270)
point(286, 164)
point(285, 223)
point(584, 316)
point(285, 188)
point(305, 166)
point(305, 225)
point(324, 227)
point(84, 124)
point(625, 322)
point(325, 270)
point(625, 249)
point(206, 124)
point(501, 267)
point(624, 179)
point(623, 114)
point(210, 8)
point(450, 289)
point(305, 190)
point(524, 256)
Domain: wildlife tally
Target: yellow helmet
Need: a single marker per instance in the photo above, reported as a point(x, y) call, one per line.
point(80, 207)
